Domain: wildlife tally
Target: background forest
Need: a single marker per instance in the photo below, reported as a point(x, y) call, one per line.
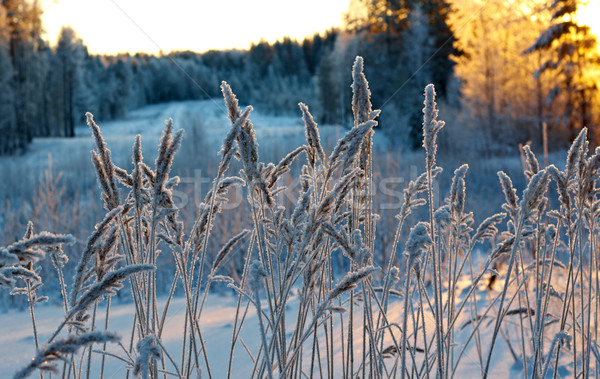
point(502, 67)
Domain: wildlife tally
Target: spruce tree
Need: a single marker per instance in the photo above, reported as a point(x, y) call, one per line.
point(574, 51)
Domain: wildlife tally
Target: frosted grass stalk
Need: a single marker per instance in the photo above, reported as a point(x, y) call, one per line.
point(418, 241)
point(257, 272)
point(531, 196)
point(431, 126)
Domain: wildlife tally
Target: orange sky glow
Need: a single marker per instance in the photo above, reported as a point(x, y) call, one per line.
point(589, 15)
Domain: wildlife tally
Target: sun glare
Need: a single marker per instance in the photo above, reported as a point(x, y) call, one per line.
point(111, 26)
point(589, 14)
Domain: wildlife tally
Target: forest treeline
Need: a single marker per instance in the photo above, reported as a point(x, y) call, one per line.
point(506, 67)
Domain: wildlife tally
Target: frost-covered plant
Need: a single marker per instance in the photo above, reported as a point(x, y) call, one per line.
point(544, 262)
point(60, 349)
point(17, 263)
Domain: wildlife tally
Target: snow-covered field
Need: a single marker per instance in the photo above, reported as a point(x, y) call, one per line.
point(149, 122)
point(17, 344)
point(205, 123)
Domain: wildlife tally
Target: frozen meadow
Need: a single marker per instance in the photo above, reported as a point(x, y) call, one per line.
point(320, 283)
point(18, 347)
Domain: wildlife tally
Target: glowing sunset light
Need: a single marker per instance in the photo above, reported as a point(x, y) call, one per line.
point(112, 26)
point(589, 14)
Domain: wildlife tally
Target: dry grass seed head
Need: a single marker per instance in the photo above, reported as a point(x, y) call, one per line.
point(356, 139)
point(248, 149)
point(123, 176)
point(353, 136)
point(575, 152)
point(312, 133)
point(148, 350)
point(168, 146)
point(61, 348)
point(361, 95)
point(28, 230)
point(108, 286)
point(33, 249)
point(103, 164)
point(590, 176)
point(442, 216)
point(302, 205)
point(510, 195)
point(366, 151)
point(431, 125)
point(502, 248)
point(137, 156)
point(412, 190)
point(231, 102)
point(7, 258)
point(284, 165)
point(488, 229)
point(350, 281)
point(531, 161)
point(561, 186)
point(8, 276)
point(341, 240)
point(418, 241)
point(257, 271)
point(534, 193)
point(457, 190)
point(101, 229)
point(339, 191)
point(103, 180)
point(228, 149)
point(228, 248)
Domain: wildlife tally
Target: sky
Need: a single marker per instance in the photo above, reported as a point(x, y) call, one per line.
point(589, 15)
point(113, 26)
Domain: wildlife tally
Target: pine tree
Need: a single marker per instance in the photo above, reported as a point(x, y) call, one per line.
point(22, 22)
point(419, 71)
point(573, 51)
point(8, 125)
point(328, 91)
point(70, 53)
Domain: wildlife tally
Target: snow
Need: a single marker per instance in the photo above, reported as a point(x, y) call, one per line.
point(72, 155)
point(17, 345)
